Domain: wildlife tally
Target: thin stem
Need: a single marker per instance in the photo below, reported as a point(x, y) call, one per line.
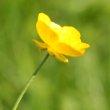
point(28, 83)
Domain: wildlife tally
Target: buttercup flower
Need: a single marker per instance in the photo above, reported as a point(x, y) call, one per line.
point(59, 41)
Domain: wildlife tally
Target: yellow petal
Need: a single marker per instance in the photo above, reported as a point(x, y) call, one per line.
point(45, 30)
point(70, 43)
point(51, 51)
point(57, 55)
point(70, 35)
point(44, 18)
point(40, 44)
point(81, 47)
point(56, 28)
point(66, 50)
point(61, 58)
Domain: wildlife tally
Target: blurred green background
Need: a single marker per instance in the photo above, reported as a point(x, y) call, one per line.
point(82, 84)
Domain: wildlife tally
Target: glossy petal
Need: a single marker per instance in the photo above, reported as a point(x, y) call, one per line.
point(65, 49)
point(44, 18)
point(45, 29)
point(70, 43)
point(40, 44)
point(61, 58)
point(70, 35)
point(57, 55)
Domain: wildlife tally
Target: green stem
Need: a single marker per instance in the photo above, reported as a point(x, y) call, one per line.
point(28, 83)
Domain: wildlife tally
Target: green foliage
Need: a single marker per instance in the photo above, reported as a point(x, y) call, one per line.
point(82, 84)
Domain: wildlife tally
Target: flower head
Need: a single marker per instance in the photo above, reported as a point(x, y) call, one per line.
point(59, 41)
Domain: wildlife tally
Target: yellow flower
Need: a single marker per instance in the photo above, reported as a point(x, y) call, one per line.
point(59, 41)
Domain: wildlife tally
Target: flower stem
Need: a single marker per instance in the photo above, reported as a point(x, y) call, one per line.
point(28, 83)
